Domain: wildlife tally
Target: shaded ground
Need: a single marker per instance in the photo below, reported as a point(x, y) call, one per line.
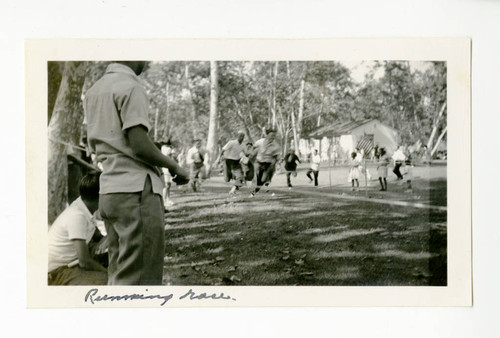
point(296, 238)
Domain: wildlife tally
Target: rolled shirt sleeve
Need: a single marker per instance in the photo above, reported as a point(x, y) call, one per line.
point(78, 228)
point(133, 108)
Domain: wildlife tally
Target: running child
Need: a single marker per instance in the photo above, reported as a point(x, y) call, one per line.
point(247, 161)
point(291, 160)
point(231, 153)
point(195, 160)
point(268, 151)
point(383, 163)
point(314, 169)
point(399, 158)
point(354, 172)
point(167, 150)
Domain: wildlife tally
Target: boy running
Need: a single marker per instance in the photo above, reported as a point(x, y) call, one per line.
point(291, 160)
point(231, 153)
point(314, 169)
point(268, 151)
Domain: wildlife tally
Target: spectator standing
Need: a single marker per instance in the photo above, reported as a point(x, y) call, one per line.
point(117, 109)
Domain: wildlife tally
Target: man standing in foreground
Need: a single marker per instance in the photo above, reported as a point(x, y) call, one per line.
point(231, 153)
point(131, 205)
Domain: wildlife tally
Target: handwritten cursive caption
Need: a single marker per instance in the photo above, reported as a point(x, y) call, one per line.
point(93, 296)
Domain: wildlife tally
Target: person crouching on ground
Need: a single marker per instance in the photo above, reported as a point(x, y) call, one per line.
point(232, 154)
point(71, 261)
point(383, 162)
point(314, 169)
point(291, 160)
point(268, 151)
point(195, 158)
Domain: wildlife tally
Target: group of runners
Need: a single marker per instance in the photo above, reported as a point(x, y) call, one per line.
point(241, 162)
point(244, 162)
point(383, 161)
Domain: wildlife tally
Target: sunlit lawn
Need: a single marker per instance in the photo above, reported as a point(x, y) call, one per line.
point(294, 238)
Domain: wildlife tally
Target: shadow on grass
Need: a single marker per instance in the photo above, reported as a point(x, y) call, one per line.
point(438, 192)
point(296, 240)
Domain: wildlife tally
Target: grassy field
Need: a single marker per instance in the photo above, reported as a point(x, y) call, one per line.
point(328, 235)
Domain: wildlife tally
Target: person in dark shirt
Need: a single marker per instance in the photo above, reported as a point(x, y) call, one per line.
point(291, 160)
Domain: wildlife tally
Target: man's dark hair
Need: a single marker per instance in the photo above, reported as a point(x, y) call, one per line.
point(137, 66)
point(270, 130)
point(89, 186)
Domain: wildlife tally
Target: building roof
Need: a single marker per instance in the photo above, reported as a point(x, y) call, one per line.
point(338, 129)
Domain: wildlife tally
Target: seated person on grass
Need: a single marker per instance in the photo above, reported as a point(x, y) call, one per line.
point(71, 259)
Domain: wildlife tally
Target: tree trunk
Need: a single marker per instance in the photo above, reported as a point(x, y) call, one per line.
point(438, 141)
point(274, 93)
point(435, 127)
point(54, 77)
point(167, 112)
point(284, 149)
point(191, 101)
point(300, 115)
point(320, 109)
point(64, 127)
point(295, 134)
point(212, 123)
point(242, 119)
point(281, 126)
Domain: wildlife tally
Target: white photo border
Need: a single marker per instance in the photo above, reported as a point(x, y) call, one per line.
point(455, 51)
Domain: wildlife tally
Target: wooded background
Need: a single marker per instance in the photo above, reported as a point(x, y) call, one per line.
point(212, 100)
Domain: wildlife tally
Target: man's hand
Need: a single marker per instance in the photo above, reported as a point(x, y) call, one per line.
point(146, 151)
point(180, 176)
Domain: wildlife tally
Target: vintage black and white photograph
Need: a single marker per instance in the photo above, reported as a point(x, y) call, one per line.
point(244, 173)
point(275, 173)
point(250, 169)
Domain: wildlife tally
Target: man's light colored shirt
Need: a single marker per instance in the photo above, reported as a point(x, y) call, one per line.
point(167, 151)
point(75, 222)
point(399, 155)
point(232, 150)
point(193, 155)
point(267, 151)
point(315, 162)
point(115, 103)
